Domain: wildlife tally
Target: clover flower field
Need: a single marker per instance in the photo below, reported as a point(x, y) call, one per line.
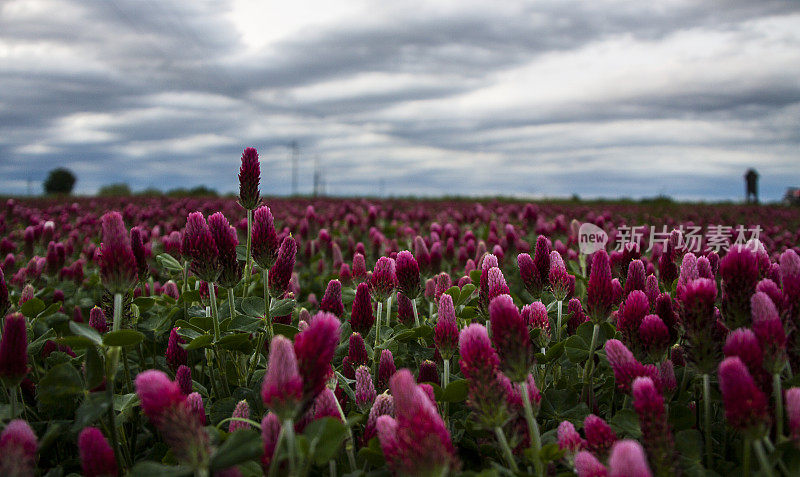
point(297, 336)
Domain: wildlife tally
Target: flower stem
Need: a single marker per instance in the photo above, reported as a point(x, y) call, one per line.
point(117, 311)
point(185, 286)
point(377, 332)
point(416, 315)
point(266, 303)
point(350, 441)
point(12, 395)
point(274, 465)
point(707, 420)
point(558, 322)
point(231, 303)
point(267, 327)
point(501, 439)
point(588, 369)
point(111, 368)
point(445, 382)
point(746, 457)
point(128, 381)
point(388, 310)
point(288, 425)
point(112, 420)
point(771, 448)
point(533, 429)
point(762, 459)
point(212, 295)
point(215, 319)
point(254, 359)
point(778, 396)
point(247, 260)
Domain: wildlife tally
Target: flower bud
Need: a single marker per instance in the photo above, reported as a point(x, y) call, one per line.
point(408, 275)
point(792, 398)
point(599, 291)
point(653, 335)
point(139, 253)
point(282, 388)
point(479, 364)
point(365, 389)
point(535, 316)
point(569, 440)
point(445, 333)
point(183, 376)
point(599, 435)
point(745, 404)
point(443, 283)
point(768, 328)
point(175, 355)
point(383, 406)
point(314, 349)
point(587, 465)
point(383, 280)
point(249, 178)
point(417, 421)
point(628, 459)
point(656, 433)
point(226, 240)
point(740, 274)
point(264, 240)
point(359, 267)
point(332, 299)
point(790, 274)
point(198, 246)
point(5, 303)
point(18, 447)
point(386, 369)
point(357, 350)
point(117, 262)
point(270, 432)
point(14, 350)
point(97, 456)
point(242, 410)
point(636, 277)
point(281, 272)
point(361, 316)
point(428, 373)
point(510, 337)
point(576, 315)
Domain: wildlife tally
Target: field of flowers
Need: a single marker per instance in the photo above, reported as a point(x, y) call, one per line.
point(157, 336)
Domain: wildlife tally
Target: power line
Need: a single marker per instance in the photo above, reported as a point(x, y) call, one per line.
point(295, 158)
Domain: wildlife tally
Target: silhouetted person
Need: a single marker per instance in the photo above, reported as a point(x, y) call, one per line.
point(751, 186)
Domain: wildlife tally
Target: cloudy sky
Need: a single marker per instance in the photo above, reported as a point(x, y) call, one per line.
point(538, 98)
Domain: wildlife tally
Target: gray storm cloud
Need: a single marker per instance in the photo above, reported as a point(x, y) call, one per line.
point(545, 98)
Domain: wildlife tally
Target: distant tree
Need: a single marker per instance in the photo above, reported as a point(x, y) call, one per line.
point(150, 192)
point(118, 189)
point(198, 191)
point(202, 190)
point(59, 181)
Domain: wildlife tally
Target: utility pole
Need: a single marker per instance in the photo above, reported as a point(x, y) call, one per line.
point(295, 158)
point(316, 177)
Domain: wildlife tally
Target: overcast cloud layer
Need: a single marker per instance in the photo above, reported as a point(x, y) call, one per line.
point(545, 98)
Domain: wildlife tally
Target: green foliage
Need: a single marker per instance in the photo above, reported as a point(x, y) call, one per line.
point(119, 189)
point(59, 181)
point(93, 382)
